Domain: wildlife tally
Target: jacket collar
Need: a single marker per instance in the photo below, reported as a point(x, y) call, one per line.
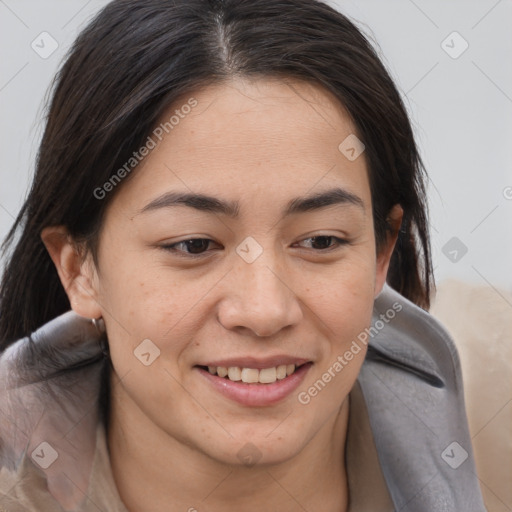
point(407, 338)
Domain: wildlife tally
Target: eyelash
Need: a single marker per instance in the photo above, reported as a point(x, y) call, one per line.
point(172, 247)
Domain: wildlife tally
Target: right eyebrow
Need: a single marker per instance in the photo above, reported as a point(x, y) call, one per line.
point(198, 201)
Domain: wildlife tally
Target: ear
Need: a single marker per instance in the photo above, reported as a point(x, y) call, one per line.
point(394, 221)
point(77, 273)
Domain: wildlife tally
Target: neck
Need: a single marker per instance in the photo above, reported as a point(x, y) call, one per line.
point(155, 471)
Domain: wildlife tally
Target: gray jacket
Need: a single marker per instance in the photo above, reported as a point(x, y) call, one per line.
point(410, 381)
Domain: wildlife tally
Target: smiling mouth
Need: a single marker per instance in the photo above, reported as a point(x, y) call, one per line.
point(253, 375)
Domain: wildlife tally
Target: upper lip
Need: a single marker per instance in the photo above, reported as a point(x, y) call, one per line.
point(256, 363)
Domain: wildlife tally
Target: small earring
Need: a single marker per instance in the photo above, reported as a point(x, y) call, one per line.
point(99, 323)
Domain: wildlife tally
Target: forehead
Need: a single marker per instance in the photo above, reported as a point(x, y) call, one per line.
point(265, 138)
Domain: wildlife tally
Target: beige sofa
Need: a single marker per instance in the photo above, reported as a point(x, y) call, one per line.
point(479, 318)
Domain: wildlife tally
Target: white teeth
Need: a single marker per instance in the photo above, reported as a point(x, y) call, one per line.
point(250, 375)
point(268, 375)
point(253, 375)
point(222, 371)
point(281, 372)
point(234, 373)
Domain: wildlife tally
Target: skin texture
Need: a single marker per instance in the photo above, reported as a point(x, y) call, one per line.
point(173, 439)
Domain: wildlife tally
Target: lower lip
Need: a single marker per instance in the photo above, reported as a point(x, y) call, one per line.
point(257, 395)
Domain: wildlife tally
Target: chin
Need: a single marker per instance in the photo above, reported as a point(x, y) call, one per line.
point(259, 448)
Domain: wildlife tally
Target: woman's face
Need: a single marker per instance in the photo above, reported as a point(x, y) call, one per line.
point(283, 270)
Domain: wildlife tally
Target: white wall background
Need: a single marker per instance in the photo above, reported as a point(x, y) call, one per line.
point(461, 107)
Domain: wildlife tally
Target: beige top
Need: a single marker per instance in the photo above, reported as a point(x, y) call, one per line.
point(26, 490)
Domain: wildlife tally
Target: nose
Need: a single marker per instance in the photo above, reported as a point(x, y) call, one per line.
point(259, 299)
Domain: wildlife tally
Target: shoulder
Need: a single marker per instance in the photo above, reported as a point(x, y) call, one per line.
point(24, 490)
point(412, 385)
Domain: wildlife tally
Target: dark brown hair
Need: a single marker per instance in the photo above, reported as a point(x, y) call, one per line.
point(135, 59)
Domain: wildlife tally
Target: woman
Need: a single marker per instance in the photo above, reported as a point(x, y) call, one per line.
point(225, 187)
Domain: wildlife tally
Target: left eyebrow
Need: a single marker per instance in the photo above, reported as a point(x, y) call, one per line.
point(322, 200)
point(211, 204)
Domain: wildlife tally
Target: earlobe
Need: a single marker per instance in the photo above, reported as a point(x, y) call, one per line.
point(394, 221)
point(75, 274)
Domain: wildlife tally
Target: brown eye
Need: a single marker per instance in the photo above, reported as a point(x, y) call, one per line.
point(197, 245)
point(193, 246)
point(323, 242)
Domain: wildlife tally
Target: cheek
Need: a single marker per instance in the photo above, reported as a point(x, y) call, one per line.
point(344, 306)
point(344, 303)
point(142, 302)
point(345, 295)
point(144, 299)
